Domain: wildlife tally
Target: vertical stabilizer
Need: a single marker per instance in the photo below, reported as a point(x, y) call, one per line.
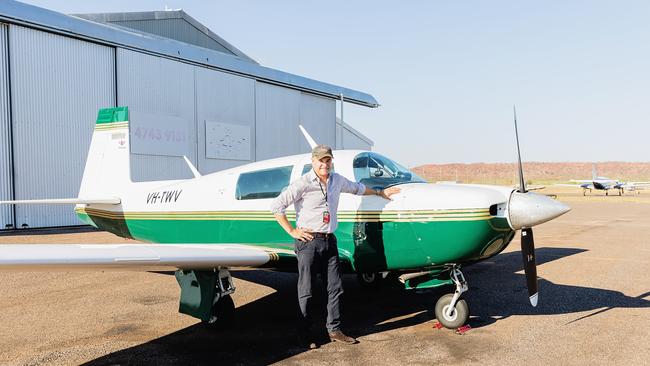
point(594, 172)
point(107, 166)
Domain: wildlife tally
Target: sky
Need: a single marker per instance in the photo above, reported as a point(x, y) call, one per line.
point(447, 73)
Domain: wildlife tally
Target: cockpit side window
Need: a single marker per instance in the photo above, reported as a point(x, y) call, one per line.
point(267, 183)
point(377, 171)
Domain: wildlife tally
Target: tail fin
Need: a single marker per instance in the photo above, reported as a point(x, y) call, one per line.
point(107, 166)
point(594, 172)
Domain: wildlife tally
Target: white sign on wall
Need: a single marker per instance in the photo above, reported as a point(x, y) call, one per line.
point(157, 134)
point(227, 141)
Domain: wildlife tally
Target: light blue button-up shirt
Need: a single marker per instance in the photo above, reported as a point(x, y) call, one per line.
point(309, 200)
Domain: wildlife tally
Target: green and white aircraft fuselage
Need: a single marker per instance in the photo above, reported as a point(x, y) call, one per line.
point(423, 235)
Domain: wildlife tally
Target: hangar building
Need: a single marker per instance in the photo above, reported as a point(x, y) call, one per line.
point(189, 92)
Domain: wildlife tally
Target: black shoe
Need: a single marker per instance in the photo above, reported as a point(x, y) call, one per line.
point(305, 340)
point(338, 336)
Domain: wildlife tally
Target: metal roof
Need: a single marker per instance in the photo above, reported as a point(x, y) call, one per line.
point(188, 29)
point(47, 20)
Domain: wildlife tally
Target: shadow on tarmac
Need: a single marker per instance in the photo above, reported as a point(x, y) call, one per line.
point(264, 330)
point(50, 230)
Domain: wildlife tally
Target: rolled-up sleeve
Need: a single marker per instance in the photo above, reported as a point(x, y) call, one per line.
point(349, 186)
point(287, 197)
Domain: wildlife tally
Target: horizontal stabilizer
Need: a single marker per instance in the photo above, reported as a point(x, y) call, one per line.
point(66, 201)
point(135, 257)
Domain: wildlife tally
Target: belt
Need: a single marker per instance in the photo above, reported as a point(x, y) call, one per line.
point(322, 235)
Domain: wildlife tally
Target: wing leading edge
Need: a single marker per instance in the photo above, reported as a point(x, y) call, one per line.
point(65, 257)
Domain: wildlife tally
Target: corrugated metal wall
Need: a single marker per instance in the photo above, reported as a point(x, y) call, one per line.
point(57, 86)
point(153, 86)
point(279, 111)
point(318, 117)
point(223, 98)
point(178, 29)
point(277, 114)
point(6, 180)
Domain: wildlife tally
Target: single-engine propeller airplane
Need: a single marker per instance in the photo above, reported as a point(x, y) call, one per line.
point(203, 226)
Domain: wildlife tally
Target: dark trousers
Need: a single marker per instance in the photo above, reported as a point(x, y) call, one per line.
point(319, 256)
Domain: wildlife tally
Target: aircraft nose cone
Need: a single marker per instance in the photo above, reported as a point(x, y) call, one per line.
point(530, 209)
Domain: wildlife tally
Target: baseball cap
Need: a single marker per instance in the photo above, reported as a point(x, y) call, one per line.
point(321, 151)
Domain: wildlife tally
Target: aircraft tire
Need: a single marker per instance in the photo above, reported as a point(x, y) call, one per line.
point(370, 280)
point(458, 318)
point(222, 313)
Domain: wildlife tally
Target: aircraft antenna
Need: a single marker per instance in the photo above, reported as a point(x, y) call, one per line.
point(195, 172)
point(310, 141)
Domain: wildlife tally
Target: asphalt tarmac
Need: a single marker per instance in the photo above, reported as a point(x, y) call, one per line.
point(594, 307)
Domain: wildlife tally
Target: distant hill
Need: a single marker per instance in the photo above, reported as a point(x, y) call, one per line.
point(506, 173)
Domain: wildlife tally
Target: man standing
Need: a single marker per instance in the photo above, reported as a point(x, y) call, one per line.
point(316, 198)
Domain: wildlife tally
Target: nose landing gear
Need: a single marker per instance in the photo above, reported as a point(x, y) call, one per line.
point(452, 311)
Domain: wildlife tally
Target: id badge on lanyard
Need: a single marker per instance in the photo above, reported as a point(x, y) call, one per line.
point(326, 213)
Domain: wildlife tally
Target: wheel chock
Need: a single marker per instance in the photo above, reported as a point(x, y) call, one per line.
point(464, 329)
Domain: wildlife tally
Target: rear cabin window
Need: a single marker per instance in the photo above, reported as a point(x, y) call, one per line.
point(267, 183)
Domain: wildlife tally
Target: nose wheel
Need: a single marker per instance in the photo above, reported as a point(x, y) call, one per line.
point(452, 311)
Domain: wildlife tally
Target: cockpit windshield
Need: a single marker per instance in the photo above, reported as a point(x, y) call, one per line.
point(377, 171)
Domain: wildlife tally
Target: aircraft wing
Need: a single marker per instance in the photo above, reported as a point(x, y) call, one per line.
point(590, 186)
point(581, 180)
point(639, 183)
point(65, 257)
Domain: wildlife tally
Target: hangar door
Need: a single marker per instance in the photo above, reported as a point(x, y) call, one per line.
point(279, 111)
point(160, 95)
point(6, 188)
point(57, 86)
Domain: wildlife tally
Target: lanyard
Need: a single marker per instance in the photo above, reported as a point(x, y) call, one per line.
point(324, 192)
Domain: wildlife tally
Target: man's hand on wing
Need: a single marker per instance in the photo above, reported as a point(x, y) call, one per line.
point(386, 193)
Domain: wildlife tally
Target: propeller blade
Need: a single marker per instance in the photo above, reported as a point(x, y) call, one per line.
point(522, 184)
point(530, 267)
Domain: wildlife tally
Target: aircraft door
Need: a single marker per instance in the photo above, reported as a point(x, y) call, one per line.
point(382, 241)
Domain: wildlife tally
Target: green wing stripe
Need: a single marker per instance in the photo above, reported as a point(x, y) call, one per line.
point(349, 216)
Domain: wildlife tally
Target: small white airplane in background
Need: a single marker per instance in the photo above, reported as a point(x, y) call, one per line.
point(605, 184)
point(203, 226)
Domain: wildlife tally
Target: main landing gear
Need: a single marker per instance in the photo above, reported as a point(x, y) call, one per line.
point(452, 311)
point(372, 280)
point(206, 295)
point(223, 308)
